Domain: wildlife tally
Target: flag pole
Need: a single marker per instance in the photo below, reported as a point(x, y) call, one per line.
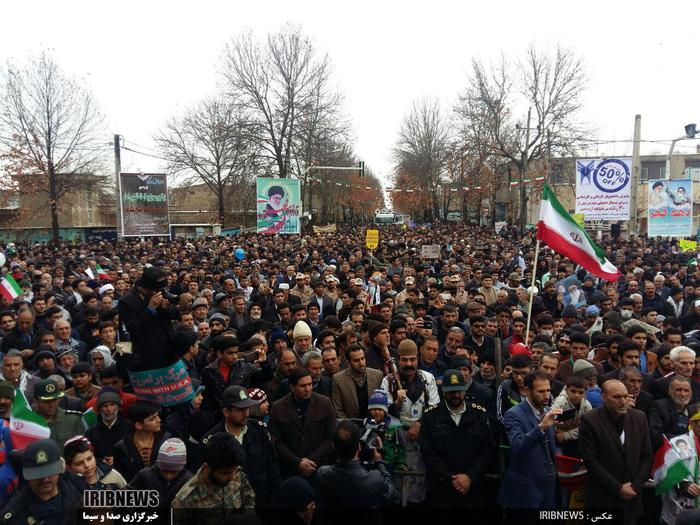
point(532, 290)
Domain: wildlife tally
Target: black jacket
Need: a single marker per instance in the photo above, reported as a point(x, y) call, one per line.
point(24, 507)
point(152, 334)
point(260, 464)
point(662, 422)
point(449, 449)
point(104, 439)
point(242, 373)
point(127, 459)
point(149, 478)
point(347, 485)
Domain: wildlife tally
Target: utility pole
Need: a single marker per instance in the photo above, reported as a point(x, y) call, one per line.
point(118, 189)
point(523, 174)
point(636, 175)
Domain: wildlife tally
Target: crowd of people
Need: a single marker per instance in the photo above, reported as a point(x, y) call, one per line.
point(327, 377)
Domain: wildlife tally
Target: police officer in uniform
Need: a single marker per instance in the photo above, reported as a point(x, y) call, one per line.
point(260, 459)
point(48, 497)
point(64, 424)
point(457, 447)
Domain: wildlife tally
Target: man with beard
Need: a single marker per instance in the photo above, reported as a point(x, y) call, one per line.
point(220, 484)
point(408, 400)
point(110, 427)
point(260, 461)
point(353, 386)
point(457, 446)
point(217, 325)
point(669, 417)
point(478, 340)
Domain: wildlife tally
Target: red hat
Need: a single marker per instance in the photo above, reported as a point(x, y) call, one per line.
point(520, 348)
point(257, 394)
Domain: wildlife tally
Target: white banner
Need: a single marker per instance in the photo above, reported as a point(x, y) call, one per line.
point(603, 188)
point(430, 251)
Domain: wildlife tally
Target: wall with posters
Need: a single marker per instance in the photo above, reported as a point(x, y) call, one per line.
point(670, 208)
point(603, 188)
point(278, 206)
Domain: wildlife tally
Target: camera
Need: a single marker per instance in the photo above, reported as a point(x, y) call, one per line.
point(368, 442)
point(169, 296)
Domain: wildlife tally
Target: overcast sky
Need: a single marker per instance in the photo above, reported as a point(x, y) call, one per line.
point(146, 61)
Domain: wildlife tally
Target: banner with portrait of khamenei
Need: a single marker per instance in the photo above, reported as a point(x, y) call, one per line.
point(279, 206)
point(670, 208)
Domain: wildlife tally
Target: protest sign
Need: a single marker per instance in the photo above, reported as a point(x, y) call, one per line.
point(164, 386)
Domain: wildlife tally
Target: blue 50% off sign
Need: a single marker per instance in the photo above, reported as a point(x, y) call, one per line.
point(611, 175)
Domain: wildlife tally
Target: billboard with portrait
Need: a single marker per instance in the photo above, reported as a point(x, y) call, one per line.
point(278, 206)
point(670, 208)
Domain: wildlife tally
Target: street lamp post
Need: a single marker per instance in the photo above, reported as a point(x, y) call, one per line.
point(690, 133)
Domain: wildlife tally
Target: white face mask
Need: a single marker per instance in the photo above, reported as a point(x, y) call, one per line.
point(547, 333)
point(627, 314)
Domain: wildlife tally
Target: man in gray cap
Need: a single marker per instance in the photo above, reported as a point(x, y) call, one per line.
point(457, 447)
point(47, 496)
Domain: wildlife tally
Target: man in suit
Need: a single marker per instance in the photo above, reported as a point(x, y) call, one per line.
point(669, 417)
point(302, 425)
point(353, 386)
point(615, 446)
point(531, 478)
point(320, 297)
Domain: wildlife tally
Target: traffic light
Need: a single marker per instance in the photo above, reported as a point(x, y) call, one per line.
point(362, 168)
point(690, 131)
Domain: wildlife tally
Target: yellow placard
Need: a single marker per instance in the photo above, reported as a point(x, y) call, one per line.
point(688, 246)
point(578, 217)
point(372, 239)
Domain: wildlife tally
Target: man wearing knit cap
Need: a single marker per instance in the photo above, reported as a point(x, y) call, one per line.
point(458, 447)
point(301, 335)
point(260, 460)
point(379, 351)
point(110, 426)
point(167, 475)
point(408, 400)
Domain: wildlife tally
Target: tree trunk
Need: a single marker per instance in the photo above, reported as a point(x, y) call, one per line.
point(53, 203)
point(220, 198)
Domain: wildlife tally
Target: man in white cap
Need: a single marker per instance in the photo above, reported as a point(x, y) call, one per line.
point(403, 294)
point(301, 335)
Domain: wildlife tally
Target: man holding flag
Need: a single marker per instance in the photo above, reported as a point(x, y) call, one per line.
point(675, 470)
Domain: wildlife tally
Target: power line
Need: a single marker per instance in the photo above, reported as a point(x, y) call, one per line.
point(144, 154)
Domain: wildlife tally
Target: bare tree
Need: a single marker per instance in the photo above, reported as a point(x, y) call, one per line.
point(422, 150)
point(551, 84)
point(51, 128)
point(273, 83)
point(208, 144)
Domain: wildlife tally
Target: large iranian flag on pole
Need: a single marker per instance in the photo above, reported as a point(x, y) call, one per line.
point(9, 288)
point(668, 468)
point(558, 230)
point(26, 426)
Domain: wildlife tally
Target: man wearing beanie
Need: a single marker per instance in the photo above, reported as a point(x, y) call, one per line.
point(379, 352)
point(301, 335)
point(167, 475)
point(416, 393)
point(110, 427)
point(458, 447)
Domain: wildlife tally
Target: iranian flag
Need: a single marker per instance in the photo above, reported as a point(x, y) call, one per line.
point(102, 273)
point(558, 230)
point(26, 426)
point(9, 288)
point(89, 418)
point(668, 468)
